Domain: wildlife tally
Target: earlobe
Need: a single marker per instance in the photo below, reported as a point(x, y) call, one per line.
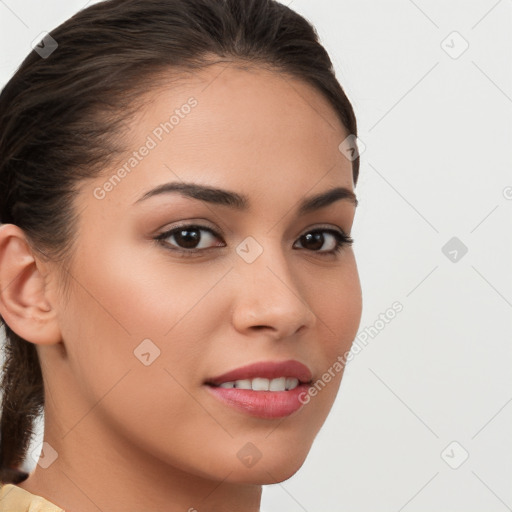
point(24, 303)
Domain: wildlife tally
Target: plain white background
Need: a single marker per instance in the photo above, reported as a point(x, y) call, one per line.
point(423, 418)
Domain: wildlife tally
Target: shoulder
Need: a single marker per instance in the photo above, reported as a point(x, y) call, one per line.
point(16, 499)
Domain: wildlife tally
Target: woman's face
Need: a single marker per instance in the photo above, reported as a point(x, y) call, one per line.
point(147, 323)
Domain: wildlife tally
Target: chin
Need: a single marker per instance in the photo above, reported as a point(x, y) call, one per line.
point(272, 470)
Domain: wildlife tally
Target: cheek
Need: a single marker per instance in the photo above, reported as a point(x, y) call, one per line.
point(133, 303)
point(136, 337)
point(338, 306)
point(144, 291)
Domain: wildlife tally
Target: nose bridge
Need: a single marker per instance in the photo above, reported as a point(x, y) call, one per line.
point(264, 264)
point(270, 294)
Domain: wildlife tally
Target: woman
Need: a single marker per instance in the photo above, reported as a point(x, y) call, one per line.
point(175, 255)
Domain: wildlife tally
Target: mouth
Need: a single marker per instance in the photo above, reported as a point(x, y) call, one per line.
point(265, 376)
point(262, 384)
point(264, 389)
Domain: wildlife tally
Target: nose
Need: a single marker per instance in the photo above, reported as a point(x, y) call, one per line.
point(270, 297)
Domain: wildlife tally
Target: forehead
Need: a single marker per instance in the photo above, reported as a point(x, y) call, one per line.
point(251, 127)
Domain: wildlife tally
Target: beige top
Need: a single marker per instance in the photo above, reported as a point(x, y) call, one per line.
point(16, 499)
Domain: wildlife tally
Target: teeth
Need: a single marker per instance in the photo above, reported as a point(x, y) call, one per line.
point(291, 382)
point(261, 384)
point(277, 384)
point(243, 384)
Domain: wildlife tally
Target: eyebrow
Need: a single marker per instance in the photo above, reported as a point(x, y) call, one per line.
point(240, 202)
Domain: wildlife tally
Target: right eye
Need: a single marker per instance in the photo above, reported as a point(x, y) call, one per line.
point(189, 238)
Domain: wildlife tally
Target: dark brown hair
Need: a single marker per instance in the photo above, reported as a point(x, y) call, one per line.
point(61, 118)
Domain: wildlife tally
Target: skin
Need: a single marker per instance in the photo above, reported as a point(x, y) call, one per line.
point(132, 437)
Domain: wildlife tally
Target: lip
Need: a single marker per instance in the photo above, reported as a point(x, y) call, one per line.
point(263, 404)
point(266, 370)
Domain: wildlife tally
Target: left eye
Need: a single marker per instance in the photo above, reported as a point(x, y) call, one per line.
point(317, 238)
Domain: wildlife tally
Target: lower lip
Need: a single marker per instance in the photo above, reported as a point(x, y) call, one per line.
point(262, 404)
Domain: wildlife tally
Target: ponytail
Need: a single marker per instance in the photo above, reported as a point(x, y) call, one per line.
point(22, 403)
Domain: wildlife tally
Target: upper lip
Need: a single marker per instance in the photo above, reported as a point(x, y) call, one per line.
point(266, 369)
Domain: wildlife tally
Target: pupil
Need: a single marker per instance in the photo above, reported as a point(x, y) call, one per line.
point(317, 238)
point(188, 238)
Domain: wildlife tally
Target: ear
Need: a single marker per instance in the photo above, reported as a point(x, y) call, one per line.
point(24, 299)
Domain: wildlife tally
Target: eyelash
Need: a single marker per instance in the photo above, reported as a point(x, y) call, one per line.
point(342, 239)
